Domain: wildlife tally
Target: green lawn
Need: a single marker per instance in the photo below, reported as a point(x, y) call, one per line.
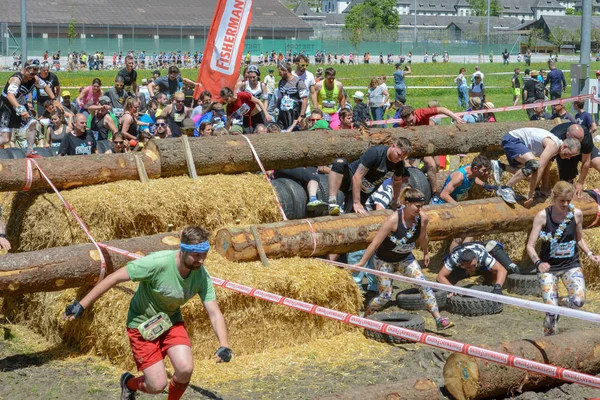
point(360, 75)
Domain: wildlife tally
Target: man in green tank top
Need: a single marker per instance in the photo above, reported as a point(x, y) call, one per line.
point(329, 96)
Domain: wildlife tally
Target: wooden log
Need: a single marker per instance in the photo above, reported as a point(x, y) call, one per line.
point(73, 266)
point(413, 389)
point(351, 232)
point(469, 378)
point(232, 155)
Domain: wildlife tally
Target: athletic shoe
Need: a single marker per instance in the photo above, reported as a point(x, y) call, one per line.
point(334, 209)
point(496, 171)
point(507, 194)
point(317, 205)
point(550, 325)
point(126, 393)
point(443, 323)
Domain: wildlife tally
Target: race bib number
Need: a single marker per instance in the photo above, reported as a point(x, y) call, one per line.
point(367, 187)
point(155, 326)
point(562, 250)
point(328, 104)
point(243, 110)
point(404, 248)
point(287, 103)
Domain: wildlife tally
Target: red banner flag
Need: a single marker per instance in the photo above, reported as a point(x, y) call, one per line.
point(224, 47)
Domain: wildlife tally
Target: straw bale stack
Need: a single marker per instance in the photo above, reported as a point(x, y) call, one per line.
point(254, 325)
point(127, 209)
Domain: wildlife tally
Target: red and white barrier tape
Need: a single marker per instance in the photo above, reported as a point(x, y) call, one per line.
point(502, 109)
point(513, 301)
point(407, 334)
point(266, 176)
point(69, 208)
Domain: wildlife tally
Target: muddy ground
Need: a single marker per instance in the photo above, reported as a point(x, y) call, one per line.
point(34, 369)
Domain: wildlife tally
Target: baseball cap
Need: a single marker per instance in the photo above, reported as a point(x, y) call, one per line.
point(359, 95)
point(253, 68)
point(65, 93)
point(104, 100)
point(187, 123)
point(320, 124)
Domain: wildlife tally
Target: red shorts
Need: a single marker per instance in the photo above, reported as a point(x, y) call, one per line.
point(148, 353)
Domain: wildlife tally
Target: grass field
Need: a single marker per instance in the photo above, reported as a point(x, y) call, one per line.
point(429, 74)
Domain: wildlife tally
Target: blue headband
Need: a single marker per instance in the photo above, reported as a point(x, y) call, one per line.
point(202, 247)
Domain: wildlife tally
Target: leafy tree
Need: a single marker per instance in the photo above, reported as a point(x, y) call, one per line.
point(596, 37)
point(574, 37)
point(372, 20)
point(570, 11)
point(480, 7)
point(71, 33)
point(535, 35)
point(558, 36)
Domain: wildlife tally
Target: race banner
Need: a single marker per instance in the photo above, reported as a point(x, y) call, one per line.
point(224, 47)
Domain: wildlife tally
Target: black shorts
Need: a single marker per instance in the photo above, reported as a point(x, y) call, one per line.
point(302, 175)
point(8, 116)
point(568, 167)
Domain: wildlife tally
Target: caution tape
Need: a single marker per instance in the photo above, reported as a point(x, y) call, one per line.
point(403, 333)
point(503, 109)
point(513, 301)
point(68, 207)
point(266, 176)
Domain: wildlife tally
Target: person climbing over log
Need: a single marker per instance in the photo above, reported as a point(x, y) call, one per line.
point(560, 227)
point(521, 147)
point(168, 279)
point(393, 245)
point(362, 177)
point(306, 176)
point(475, 259)
point(457, 186)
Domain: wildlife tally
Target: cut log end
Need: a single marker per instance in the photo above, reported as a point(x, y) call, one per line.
point(461, 376)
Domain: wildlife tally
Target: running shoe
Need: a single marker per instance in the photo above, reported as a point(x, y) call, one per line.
point(443, 323)
point(126, 393)
point(334, 209)
point(550, 325)
point(317, 205)
point(507, 194)
point(496, 171)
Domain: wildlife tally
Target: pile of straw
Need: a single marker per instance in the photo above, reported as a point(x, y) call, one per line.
point(129, 209)
point(254, 325)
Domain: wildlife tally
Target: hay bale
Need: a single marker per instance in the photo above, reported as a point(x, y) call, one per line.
point(127, 209)
point(254, 325)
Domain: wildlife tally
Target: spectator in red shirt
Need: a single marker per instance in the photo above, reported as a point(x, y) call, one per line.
point(243, 105)
point(422, 116)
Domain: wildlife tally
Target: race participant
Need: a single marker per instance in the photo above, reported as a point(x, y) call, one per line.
point(155, 327)
point(291, 97)
point(473, 259)
point(521, 147)
point(244, 106)
point(169, 84)
point(306, 176)
point(52, 82)
point(80, 141)
point(57, 130)
point(308, 78)
point(129, 76)
point(589, 157)
point(117, 96)
point(15, 113)
point(128, 123)
point(560, 227)
point(175, 113)
point(393, 245)
point(422, 116)
point(362, 177)
point(253, 86)
point(329, 97)
point(89, 95)
point(101, 121)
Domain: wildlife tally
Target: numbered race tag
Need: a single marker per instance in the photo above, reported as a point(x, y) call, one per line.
point(367, 187)
point(155, 326)
point(562, 250)
point(287, 103)
point(244, 109)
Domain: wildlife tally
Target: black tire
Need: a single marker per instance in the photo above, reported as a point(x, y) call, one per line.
point(299, 198)
point(525, 284)
point(410, 299)
point(418, 180)
point(43, 151)
point(53, 151)
point(284, 196)
point(404, 320)
point(472, 306)
point(16, 152)
point(5, 154)
point(103, 146)
point(323, 194)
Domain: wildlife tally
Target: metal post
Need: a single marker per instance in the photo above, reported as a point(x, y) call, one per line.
point(488, 26)
point(415, 27)
point(582, 85)
point(24, 30)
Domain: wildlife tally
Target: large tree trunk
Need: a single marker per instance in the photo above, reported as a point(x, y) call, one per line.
point(65, 267)
point(473, 378)
point(413, 389)
point(351, 232)
point(232, 155)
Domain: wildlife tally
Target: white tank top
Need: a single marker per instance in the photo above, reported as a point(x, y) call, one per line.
point(254, 92)
point(533, 138)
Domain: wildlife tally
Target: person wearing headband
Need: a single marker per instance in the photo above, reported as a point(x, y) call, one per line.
point(393, 245)
point(168, 279)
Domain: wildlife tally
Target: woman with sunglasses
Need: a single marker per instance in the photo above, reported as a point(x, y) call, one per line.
point(393, 245)
point(89, 96)
point(120, 144)
point(57, 130)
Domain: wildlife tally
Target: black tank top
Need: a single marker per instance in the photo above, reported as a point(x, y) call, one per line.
point(56, 138)
point(99, 130)
point(397, 246)
point(24, 88)
point(175, 121)
point(563, 254)
point(132, 130)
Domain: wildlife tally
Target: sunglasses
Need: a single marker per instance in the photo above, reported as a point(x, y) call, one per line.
point(314, 119)
point(118, 141)
point(119, 86)
point(303, 65)
point(179, 101)
point(161, 124)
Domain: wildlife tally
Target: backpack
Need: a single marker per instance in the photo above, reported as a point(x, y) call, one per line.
point(539, 91)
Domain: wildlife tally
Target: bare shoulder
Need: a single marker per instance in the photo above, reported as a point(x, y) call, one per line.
point(424, 217)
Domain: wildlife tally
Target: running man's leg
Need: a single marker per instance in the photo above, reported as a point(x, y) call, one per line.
point(183, 362)
point(549, 296)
